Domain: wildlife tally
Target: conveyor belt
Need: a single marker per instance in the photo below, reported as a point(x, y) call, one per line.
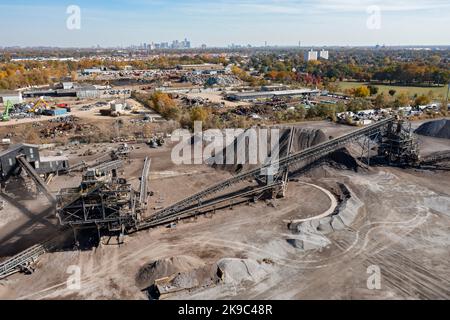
point(108, 166)
point(144, 182)
point(26, 258)
point(311, 153)
point(435, 157)
point(36, 178)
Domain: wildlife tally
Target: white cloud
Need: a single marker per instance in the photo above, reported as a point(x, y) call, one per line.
point(385, 5)
point(298, 7)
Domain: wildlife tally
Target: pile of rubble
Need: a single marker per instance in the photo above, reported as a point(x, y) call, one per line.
point(22, 111)
point(156, 142)
point(223, 81)
point(64, 126)
point(256, 109)
point(194, 102)
point(201, 102)
point(216, 80)
point(67, 119)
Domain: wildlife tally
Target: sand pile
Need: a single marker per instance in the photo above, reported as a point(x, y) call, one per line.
point(188, 273)
point(166, 268)
point(240, 270)
point(435, 129)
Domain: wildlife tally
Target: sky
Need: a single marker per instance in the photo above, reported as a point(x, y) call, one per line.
point(222, 22)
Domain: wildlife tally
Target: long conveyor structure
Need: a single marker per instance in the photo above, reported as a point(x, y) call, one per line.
point(308, 155)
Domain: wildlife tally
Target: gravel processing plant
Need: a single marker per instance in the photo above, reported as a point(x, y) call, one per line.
point(347, 200)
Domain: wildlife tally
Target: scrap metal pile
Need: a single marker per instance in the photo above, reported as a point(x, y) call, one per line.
point(209, 80)
point(63, 126)
point(23, 111)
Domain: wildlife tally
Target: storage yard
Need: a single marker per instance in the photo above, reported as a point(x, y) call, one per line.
point(196, 231)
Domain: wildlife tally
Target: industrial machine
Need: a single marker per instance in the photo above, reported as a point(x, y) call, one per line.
point(8, 107)
point(37, 105)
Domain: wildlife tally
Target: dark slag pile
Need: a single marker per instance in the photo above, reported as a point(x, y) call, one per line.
point(436, 129)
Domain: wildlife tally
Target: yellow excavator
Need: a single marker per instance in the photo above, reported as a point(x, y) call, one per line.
point(37, 105)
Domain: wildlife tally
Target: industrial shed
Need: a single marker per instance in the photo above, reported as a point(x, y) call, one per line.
point(255, 95)
point(9, 165)
point(53, 164)
point(8, 158)
point(88, 92)
point(12, 96)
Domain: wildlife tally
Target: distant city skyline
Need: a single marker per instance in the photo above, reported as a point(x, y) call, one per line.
point(220, 23)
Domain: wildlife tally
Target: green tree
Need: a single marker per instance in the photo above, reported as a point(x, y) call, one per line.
point(373, 90)
point(358, 104)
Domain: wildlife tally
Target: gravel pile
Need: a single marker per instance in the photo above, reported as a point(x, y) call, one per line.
point(435, 129)
point(166, 268)
point(303, 139)
point(239, 270)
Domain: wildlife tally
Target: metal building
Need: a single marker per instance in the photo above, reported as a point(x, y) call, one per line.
point(14, 96)
point(88, 92)
point(53, 164)
point(10, 166)
point(8, 159)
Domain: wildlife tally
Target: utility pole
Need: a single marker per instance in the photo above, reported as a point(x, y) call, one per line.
point(448, 91)
point(444, 108)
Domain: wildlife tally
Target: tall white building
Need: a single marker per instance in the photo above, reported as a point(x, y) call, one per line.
point(324, 54)
point(311, 55)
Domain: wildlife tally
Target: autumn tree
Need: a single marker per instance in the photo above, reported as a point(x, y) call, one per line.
point(361, 92)
point(199, 114)
point(422, 100)
point(162, 103)
point(402, 100)
point(380, 101)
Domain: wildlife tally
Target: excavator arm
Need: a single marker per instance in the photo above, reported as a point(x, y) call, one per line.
point(8, 107)
point(38, 103)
